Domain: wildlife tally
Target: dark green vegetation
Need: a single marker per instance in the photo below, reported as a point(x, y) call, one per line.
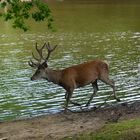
point(124, 130)
point(19, 12)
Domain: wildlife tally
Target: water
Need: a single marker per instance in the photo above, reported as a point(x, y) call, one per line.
point(85, 32)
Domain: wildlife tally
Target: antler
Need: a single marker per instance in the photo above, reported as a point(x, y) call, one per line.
point(31, 63)
point(40, 52)
point(50, 50)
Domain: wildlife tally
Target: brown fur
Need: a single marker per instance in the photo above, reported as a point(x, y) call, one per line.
point(77, 76)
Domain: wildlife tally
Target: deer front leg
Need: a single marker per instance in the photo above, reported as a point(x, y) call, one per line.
point(67, 97)
point(95, 87)
point(69, 92)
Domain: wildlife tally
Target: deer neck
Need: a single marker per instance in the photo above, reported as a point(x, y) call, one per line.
point(54, 76)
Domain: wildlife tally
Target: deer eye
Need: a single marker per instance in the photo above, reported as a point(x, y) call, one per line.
point(38, 71)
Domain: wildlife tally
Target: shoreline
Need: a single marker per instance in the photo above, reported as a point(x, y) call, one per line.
point(62, 125)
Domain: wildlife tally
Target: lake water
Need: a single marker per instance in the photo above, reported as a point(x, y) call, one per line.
point(85, 31)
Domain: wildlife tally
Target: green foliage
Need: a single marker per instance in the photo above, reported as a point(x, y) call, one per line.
point(125, 130)
point(19, 12)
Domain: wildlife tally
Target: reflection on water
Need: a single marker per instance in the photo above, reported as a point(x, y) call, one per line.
point(20, 97)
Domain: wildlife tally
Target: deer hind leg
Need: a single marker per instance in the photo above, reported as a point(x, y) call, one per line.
point(95, 87)
point(106, 80)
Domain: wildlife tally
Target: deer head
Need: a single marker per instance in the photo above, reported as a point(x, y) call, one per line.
point(41, 65)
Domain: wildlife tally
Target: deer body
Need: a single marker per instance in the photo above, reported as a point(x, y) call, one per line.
point(75, 76)
point(80, 75)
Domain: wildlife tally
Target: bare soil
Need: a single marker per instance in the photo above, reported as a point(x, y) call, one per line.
point(63, 125)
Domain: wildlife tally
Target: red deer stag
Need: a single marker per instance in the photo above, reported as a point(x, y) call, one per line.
point(72, 77)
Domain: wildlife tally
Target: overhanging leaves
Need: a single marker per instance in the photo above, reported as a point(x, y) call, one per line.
point(19, 11)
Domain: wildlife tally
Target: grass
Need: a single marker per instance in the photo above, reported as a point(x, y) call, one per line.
point(125, 130)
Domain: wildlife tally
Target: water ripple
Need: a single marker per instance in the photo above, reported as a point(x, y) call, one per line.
point(21, 98)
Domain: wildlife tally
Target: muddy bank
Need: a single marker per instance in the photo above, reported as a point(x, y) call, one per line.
point(62, 125)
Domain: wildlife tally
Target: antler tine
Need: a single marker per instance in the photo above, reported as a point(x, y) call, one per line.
point(48, 46)
point(49, 50)
point(39, 52)
point(35, 57)
point(32, 64)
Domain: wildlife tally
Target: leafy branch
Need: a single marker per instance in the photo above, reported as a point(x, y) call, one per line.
point(19, 11)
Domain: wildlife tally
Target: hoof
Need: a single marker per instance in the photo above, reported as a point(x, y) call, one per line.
point(118, 100)
point(94, 108)
point(87, 104)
